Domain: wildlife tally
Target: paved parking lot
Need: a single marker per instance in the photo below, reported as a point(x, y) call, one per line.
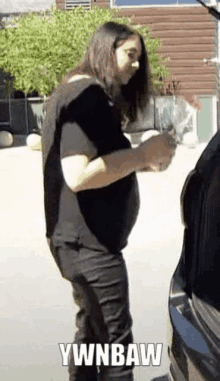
point(37, 310)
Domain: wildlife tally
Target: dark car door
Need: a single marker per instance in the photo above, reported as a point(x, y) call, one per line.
point(194, 302)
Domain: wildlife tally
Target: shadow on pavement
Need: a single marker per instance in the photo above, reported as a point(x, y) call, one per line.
point(162, 378)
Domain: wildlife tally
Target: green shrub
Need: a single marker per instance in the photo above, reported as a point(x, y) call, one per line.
point(42, 47)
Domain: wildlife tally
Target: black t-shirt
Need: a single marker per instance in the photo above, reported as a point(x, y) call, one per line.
point(80, 118)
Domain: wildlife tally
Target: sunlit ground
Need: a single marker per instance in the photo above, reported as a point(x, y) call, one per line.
point(37, 311)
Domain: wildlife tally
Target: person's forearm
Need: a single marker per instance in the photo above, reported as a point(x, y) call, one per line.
point(107, 169)
point(82, 173)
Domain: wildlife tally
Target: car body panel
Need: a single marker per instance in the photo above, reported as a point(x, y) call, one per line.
point(194, 300)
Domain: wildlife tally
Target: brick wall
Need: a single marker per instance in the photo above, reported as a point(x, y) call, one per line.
point(60, 4)
point(101, 3)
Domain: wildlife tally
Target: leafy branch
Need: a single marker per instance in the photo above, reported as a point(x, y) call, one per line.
point(43, 46)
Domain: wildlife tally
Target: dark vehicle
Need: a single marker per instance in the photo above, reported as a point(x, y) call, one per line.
point(194, 300)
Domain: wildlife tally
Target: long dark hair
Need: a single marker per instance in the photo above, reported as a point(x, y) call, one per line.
point(100, 61)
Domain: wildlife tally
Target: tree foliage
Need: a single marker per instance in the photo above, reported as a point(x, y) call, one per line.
point(42, 47)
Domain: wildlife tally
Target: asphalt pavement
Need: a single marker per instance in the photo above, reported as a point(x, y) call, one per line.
point(37, 311)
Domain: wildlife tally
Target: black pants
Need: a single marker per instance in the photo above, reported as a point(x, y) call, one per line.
point(100, 289)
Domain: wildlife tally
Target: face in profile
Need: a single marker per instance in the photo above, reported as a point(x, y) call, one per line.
point(128, 54)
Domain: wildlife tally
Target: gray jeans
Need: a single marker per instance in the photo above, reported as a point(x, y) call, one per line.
point(100, 289)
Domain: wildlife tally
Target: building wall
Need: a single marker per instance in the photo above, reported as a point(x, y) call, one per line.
point(100, 3)
point(187, 35)
point(60, 4)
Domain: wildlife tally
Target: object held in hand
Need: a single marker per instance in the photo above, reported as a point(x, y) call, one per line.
point(155, 168)
point(162, 148)
point(159, 168)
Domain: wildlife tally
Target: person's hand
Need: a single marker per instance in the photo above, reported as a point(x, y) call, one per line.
point(157, 152)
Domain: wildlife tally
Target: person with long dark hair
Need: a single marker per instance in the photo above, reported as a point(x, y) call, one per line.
point(90, 187)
